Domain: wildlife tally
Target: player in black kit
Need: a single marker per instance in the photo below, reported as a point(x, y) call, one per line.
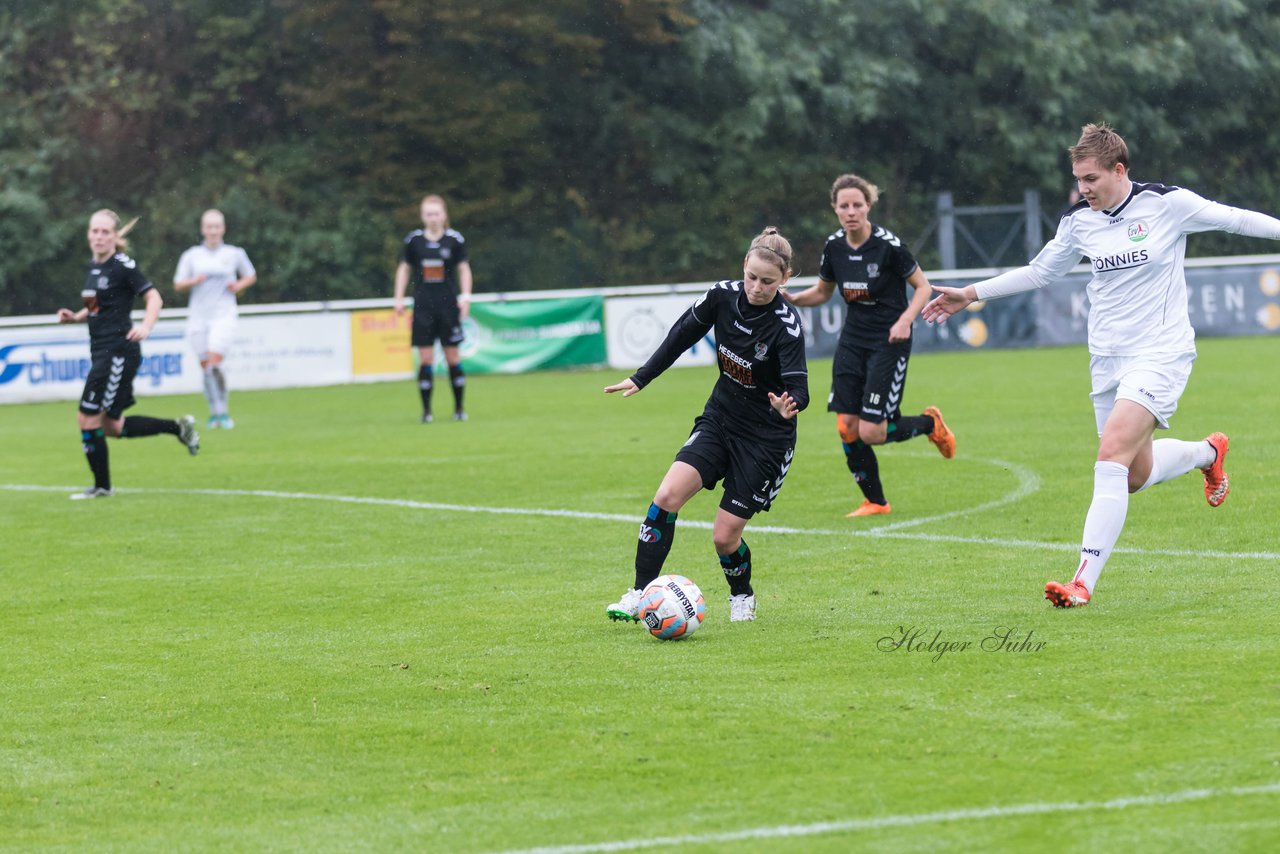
point(746, 434)
point(436, 258)
point(872, 269)
point(112, 283)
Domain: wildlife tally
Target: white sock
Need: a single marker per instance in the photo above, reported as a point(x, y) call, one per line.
point(220, 387)
point(1105, 521)
point(1172, 458)
point(211, 391)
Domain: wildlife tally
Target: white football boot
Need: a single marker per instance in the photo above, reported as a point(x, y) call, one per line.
point(187, 434)
point(626, 608)
point(742, 608)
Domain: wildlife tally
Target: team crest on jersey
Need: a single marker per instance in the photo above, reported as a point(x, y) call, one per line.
point(444, 253)
point(762, 350)
point(102, 282)
point(873, 270)
point(1138, 231)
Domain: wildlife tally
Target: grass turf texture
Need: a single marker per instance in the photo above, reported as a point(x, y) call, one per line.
point(188, 671)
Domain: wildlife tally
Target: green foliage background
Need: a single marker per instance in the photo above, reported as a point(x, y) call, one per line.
point(590, 143)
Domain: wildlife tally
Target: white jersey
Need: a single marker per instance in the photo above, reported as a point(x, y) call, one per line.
point(211, 299)
point(1138, 293)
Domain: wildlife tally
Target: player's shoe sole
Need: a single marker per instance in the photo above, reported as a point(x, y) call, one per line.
point(869, 508)
point(941, 437)
point(627, 608)
point(1071, 595)
point(1216, 482)
point(617, 614)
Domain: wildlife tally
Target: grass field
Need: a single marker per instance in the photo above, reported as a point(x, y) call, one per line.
point(337, 629)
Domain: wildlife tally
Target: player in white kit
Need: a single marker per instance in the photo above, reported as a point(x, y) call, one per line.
point(215, 272)
point(1141, 343)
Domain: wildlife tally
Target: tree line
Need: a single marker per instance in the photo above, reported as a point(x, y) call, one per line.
point(590, 142)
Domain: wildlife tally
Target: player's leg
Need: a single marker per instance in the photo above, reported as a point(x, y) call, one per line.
point(735, 562)
point(422, 337)
point(1170, 458)
point(452, 338)
point(657, 531)
point(117, 425)
point(197, 336)
point(860, 459)
point(221, 334)
point(89, 418)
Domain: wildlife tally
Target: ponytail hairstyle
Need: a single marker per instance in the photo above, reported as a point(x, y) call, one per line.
point(440, 201)
point(122, 245)
point(771, 246)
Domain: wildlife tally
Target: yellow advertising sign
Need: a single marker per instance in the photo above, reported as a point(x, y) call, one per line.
point(380, 343)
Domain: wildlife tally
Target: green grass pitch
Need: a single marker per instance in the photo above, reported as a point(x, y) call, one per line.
point(335, 630)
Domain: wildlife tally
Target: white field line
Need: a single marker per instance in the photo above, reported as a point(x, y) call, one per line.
point(908, 820)
point(634, 519)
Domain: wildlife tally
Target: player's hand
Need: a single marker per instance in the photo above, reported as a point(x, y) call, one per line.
point(627, 387)
point(399, 307)
point(464, 308)
point(784, 405)
point(139, 332)
point(66, 315)
point(946, 303)
point(900, 331)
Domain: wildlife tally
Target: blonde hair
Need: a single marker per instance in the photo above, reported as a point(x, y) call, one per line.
point(1100, 142)
point(122, 245)
point(856, 182)
point(438, 200)
point(771, 246)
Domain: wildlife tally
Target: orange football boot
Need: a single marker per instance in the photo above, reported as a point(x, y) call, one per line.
point(1216, 485)
point(941, 437)
point(869, 508)
point(1071, 595)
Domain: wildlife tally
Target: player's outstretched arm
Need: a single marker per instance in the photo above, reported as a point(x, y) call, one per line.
point(628, 387)
point(948, 302)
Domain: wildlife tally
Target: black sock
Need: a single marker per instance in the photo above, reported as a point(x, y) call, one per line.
point(906, 427)
point(137, 426)
point(424, 387)
point(737, 570)
point(459, 380)
point(656, 533)
point(866, 470)
point(95, 451)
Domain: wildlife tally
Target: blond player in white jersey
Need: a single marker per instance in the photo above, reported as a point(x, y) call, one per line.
point(214, 272)
point(1141, 343)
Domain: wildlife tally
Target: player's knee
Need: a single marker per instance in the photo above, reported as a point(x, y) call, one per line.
point(848, 428)
point(726, 541)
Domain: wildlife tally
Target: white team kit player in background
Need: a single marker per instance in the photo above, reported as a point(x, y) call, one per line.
point(1141, 343)
point(215, 272)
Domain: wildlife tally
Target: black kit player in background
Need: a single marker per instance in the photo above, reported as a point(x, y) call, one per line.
point(112, 282)
point(436, 257)
point(872, 269)
point(746, 434)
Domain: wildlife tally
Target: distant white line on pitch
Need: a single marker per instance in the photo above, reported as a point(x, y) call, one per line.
point(908, 820)
point(633, 519)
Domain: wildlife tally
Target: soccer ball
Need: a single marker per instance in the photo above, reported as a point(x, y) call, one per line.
point(672, 607)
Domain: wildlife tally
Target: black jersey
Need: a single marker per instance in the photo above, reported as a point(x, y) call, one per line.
point(109, 291)
point(873, 281)
point(434, 265)
point(759, 349)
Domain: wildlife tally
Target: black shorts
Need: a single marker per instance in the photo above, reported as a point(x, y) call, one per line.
point(109, 386)
point(868, 381)
point(437, 321)
point(752, 469)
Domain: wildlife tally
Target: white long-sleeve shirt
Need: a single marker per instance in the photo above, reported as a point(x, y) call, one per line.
point(1138, 293)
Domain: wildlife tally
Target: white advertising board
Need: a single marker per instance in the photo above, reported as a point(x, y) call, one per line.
point(40, 363)
point(635, 326)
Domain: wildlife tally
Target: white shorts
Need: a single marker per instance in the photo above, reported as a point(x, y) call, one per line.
point(211, 335)
point(1154, 382)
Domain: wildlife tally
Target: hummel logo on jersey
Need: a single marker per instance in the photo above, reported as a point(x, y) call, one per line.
point(737, 325)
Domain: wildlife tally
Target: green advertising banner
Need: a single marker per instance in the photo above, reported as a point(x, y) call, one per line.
point(528, 335)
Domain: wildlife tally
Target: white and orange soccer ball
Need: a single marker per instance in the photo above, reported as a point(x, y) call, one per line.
point(672, 607)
